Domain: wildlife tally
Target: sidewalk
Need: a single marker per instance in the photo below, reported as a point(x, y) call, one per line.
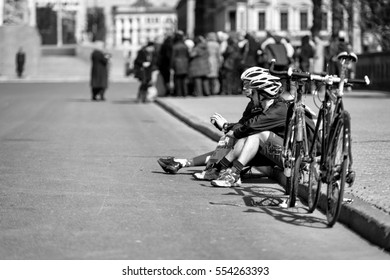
point(362, 217)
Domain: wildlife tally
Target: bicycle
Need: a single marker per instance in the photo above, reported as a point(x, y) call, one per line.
point(330, 155)
point(296, 143)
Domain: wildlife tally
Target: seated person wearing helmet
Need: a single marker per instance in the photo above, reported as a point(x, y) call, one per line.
point(259, 135)
point(264, 112)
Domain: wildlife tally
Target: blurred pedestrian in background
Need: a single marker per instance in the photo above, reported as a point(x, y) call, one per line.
point(306, 54)
point(231, 82)
point(249, 52)
point(319, 55)
point(199, 67)
point(179, 64)
point(337, 45)
point(276, 47)
point(222, 38)
point(20, 62)
point(164, 62)
point(99, 71)
point(213, 49)
point(146, 71)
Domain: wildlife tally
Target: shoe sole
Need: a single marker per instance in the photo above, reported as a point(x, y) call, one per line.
point(166, 168)
point(219, 185)
point(202, 179)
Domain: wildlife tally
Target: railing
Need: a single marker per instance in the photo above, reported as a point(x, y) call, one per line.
point(377, 67)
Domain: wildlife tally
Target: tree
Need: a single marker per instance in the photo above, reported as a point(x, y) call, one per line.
point(375, 19)
point(337, 17)
point(317, 18)
point(14, 11)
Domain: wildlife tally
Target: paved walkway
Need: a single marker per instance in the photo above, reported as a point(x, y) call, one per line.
point(368, 214)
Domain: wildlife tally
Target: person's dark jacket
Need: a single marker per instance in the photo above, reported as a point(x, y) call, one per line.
point(249, 52)
point(20, 60)
point(164, 58)
point(199, 61)
point(99, 71)
point(254, 120)
point(180, 58)
point(144, 74)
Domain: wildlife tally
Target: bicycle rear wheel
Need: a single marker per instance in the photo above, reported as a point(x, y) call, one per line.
point(338, 162)
point(314, 188)
point(295, 173)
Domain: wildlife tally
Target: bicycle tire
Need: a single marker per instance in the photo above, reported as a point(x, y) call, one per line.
point(338, 165)
point(314, 185)
point(295, 173)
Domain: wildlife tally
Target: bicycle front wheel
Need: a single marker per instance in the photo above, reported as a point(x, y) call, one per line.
point(338, 162)
point(295, 173)
point(314, 188)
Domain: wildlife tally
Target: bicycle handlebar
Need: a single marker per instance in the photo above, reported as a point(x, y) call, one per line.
point(328, 79)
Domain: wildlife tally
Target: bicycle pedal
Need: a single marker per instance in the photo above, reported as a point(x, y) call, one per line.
point(350, 178)
point(283, 204)
point(347, 200)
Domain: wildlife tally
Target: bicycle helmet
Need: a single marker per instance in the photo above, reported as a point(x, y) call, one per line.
point(266, 85)
point(252, 72)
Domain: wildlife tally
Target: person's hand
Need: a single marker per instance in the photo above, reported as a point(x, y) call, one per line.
point(230, 134)
point(146, 64)
point(218, 120)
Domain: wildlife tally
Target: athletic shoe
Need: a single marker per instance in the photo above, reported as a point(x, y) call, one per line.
point(227, 180)
point(207, 175)
point(245, 170)
point(169, 165)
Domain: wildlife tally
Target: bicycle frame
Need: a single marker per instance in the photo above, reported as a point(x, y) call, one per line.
point(332, 132)
point(296, 145)
point(328, 118)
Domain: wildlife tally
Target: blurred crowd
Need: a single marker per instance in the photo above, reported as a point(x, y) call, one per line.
point(212, 64)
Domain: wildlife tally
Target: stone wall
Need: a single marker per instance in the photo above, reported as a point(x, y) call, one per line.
point(12, 37)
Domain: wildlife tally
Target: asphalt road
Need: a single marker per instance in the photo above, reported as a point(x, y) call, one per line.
point(79, 180)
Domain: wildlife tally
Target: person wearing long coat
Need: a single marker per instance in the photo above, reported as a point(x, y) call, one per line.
point(199, 67)
point(163, 62)
point(179, 65)
point(231, 82)
point(99, 73)
point(215, 59)
point(20, 61)
point(146, 70)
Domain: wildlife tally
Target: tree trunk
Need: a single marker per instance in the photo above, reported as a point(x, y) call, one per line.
point(317, 18)
point(337, 17)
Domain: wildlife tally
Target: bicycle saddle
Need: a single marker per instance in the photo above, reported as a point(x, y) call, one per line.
point(347, 56)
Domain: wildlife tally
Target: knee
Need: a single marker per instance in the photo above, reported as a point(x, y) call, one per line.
point(261, 136)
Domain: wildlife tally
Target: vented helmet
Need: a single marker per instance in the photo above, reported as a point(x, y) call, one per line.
point(252, 72)
point(266, 85)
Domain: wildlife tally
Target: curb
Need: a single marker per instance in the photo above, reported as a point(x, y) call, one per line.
point(361, 217)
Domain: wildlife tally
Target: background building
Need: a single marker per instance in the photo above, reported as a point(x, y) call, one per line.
point(135, 25)
point(283, 17)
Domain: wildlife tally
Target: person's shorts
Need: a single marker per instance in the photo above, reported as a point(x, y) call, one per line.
point(270, 152)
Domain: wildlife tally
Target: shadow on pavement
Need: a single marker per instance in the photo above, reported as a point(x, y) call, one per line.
point(299, 217)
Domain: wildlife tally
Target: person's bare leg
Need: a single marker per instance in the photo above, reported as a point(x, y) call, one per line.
point(234, 153)
point(200, 160)
point(251, 146)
